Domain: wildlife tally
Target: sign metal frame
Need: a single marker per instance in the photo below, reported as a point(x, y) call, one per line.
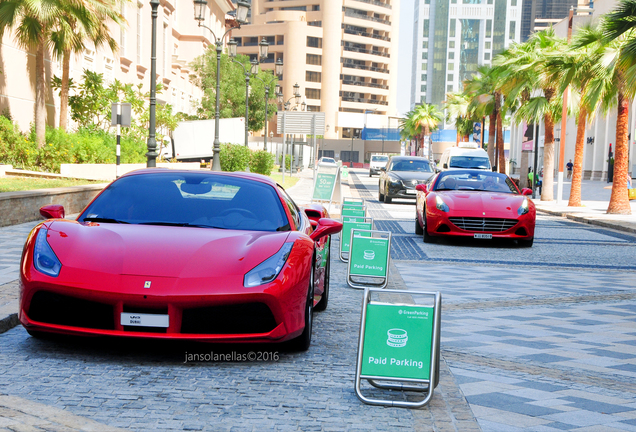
point(392, 383)
point(369, 281)
point(341, 252)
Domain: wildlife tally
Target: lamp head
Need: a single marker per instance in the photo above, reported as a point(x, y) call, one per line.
point(254, 66)
point(242, 8)
point(199, 10)
point(231, 45)
point(263, 49)
point(279, 67)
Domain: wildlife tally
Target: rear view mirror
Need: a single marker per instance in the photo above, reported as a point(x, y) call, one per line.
point(52, 211)
point(421, 188)
point(326, 227)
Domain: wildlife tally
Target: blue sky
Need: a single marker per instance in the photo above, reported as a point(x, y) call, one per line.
point(405, 55)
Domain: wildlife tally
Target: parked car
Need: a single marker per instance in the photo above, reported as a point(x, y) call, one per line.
point(466, 156)
point(376, 164)
point(175, 254)
point(474, 203)
point(401, 175)
point(327, 161)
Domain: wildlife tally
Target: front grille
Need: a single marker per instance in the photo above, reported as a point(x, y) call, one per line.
point(52, 308)
point(483, 224)
point(228, 319)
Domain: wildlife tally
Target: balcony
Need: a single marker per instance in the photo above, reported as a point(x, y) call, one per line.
point(366, 34)
point(363, 100)
point(350, 14)
point(376, 3)
point(368, 68)
point(365, 51)
point(365, 84)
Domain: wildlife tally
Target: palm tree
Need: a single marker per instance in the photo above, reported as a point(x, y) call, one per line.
point(528, 60)
point(70, 37)
point(615, 86)
point(457, 107)
point(33, 22)
point(480, 88)
point(420, 121)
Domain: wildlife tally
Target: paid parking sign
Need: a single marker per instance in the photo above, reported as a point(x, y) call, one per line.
point(368, 256)
point(349, 223)
point(354, 210)
point(397, 341)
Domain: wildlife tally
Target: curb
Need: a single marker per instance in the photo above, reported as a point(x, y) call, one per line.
point(8, 322)
point(590, 221)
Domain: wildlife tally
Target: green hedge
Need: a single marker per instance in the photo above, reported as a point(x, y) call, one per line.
point(61, 147)
point(262, 162)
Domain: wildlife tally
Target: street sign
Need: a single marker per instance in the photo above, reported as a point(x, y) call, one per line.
point(398, 346)
point(369, 258)
point(327, 184)
point(349, 223)
point(124, 114)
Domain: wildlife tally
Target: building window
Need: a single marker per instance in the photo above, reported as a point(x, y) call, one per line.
point(451, 66)
point(513, 2)
point(449, 77)
point(489, 2)
point(425, 24)
point(488, 28)
point(423, 77)
point(312, 93)
point(425, 45)
point(487, 45)
point(425, 55)
point(451, 55)
point(451, 44)
point(451, 29)
point(449, 88)
point(511, 33)
point(314, 59)
point(139, 37)
point(487, 56)
point(314, 42)
point(313, 76)
point(423, 88)
point(424, 66)
point(315, 7)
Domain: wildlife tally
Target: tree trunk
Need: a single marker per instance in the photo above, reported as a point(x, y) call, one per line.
point(577, 175)
point(40, 96)
point(66, 66)
point(619, 201)
point(500, 146)
point(547, 192)
point(492, 124)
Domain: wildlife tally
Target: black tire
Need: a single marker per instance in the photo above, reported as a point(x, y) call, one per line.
point(387, 198)
point(322, 304)
point(526, 243)
point(427, 238)
point(370, 175)
point(302, 342)
point(418, 227)
point(380, 194)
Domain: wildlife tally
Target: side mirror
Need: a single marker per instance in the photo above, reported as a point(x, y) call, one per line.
point(526, 191)
point(383, 169)
point(52, 211)
point(421, 188)
point(445, 166)
point(326, 227)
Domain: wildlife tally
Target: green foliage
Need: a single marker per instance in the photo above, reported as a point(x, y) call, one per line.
point(232, 89)
point(85, 146)
point(262, 162)
point(235, 157)
point(287, 161)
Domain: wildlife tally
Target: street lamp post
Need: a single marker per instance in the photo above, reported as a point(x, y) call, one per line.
point(286, 106)
point(246, 71)
point(242, 9)
point(152, 132)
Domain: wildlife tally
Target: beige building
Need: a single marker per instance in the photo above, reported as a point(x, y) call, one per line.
point(179, 41)
point(342, 53)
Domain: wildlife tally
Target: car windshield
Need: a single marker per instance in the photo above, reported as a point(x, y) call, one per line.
point(472, 181)
point(411, 165)
point(476, 162)
point(189, 199)
point(379, 158)
point(328, 160)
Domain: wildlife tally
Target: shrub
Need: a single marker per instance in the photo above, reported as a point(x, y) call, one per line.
point(287, 161)
point(262, 162)
point(15, 148)
point(234, 157)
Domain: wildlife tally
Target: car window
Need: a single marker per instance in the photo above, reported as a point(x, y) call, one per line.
point(379, 158)
point(411, 165)
point(190, 199)
point(476, 162)
point(291, 205)
point(471, 181)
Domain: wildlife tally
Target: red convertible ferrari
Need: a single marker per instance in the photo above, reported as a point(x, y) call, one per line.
point(205, 256)
point(474, 203)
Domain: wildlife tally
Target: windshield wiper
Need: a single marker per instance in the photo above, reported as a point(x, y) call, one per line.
point(104, 220)
point(181, 224)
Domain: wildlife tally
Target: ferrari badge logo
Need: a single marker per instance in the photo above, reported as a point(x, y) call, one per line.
point(147, 284)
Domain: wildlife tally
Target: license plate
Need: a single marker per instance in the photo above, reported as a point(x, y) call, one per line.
point(483, 236)
point(144, 320)
point(411, 191)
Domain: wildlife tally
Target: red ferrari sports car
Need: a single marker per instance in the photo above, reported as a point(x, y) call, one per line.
point(474, 203)
point(205, 256)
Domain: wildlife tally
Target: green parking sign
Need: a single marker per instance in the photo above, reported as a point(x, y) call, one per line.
point(353, 201)
point(369, 258)
point(349, 223)
point(397, 341)
point(359, 211)
point(324, 186)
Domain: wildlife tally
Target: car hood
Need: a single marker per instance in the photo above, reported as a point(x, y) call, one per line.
point(409, 176)
point(482, 204)
point(160, 251)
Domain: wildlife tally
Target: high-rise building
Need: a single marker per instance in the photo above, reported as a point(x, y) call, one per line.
point(539, 14)
point(452, 38)
point(342, 54)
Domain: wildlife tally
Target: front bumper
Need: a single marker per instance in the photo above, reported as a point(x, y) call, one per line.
point(402, 191)
point(442, 224)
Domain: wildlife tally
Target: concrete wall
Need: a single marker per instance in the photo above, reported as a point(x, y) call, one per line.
point(20, 207)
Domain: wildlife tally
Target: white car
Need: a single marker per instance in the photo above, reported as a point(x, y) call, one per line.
point(466, 156)
point(327, 161)
point(377, 163)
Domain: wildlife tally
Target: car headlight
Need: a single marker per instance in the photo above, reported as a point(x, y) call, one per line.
point(44, 258)
point(395, 182)
point(269, 269)
point(523, 209)
point(441, 205)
